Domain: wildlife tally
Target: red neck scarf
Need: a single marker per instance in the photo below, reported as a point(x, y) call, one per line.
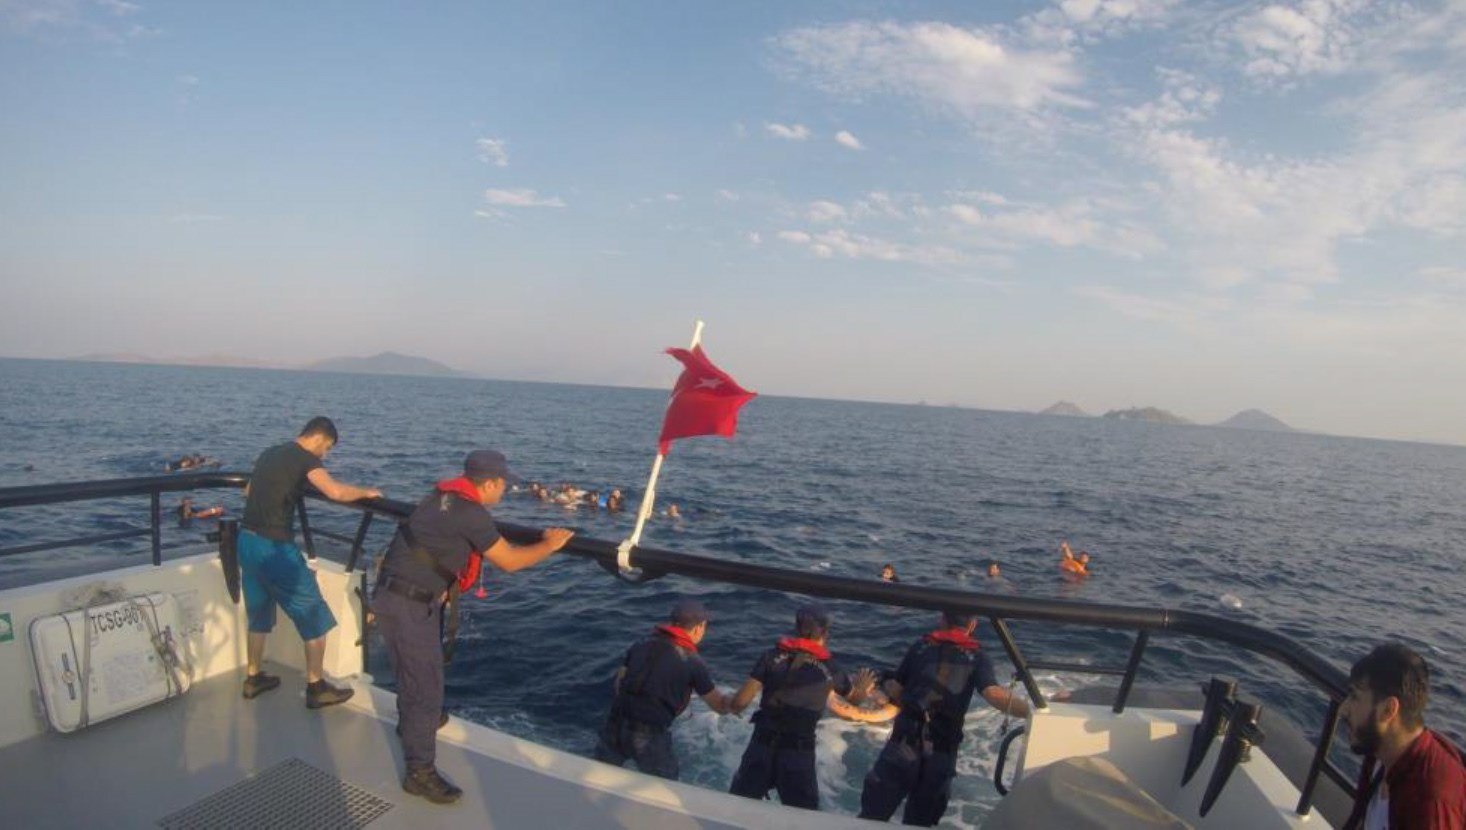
point(809, 647)
point(679, 637)
point(460, 486)
point(954, 636)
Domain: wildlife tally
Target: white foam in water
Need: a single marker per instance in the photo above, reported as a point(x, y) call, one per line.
point(1232, 601)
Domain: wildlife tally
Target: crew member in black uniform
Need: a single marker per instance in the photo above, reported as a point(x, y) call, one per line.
point(798, 682)
point(933, 687)
point(449, 527)
point(653, 686)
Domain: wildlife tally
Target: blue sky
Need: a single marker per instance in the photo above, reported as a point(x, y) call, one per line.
point(1200, 206)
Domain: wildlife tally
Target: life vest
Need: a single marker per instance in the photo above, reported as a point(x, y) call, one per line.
point(776, 713)
point(463, 488)
point(632, 700)
point(931, 698)
point(1074, 566)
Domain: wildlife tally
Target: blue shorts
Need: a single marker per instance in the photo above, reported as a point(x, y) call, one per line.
point(275, 574)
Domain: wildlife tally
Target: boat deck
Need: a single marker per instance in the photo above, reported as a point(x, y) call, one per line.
point(143, 767)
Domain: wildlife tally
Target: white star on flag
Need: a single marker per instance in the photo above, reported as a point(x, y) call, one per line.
point(708, 383)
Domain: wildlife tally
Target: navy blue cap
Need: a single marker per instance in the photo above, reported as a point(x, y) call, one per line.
point(811, 616)
point(688, 613)
point(482, 464)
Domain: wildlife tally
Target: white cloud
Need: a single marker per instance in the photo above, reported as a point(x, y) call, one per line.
point(1069, 21)
point(754, 238)
point(1313, 36)
point(1186, 311)
point(521, 197)
point(823, 212)
point(99, 19)
point(728, 195)
point(493, 151)
point(965, 71)
point(845, 139)
point(842, 243)
point(1076, 223)
point(671, 197)
point(1446, 274)
point(794, 132)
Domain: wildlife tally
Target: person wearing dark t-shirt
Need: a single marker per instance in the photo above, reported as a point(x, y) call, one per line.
point(1421, 783)
point(933, 686)
point(798, 682)
point(273, 572)
point(449, 527)
point(652, 687)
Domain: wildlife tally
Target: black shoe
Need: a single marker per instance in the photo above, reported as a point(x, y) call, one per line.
point(321, 693)
point(430, 785)
point(257, 684)
point(442, 722)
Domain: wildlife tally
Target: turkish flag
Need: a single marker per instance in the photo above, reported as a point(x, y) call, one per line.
point(705, 400)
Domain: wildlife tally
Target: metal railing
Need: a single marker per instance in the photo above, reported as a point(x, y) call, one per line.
point(654, 563)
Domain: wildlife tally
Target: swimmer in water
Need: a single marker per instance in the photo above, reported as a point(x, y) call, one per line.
point(615, 502)
point(187, 513)
point(888, 573)
point(673, 512)
point(1071, 564)
point(994, 572)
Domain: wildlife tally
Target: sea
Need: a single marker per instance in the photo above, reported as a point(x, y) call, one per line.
point(1339, 543)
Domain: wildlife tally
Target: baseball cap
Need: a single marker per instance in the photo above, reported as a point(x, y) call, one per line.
point(688, 613)
point(488, 464)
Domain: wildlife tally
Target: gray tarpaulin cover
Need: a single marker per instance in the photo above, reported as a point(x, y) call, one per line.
point(1080, 794)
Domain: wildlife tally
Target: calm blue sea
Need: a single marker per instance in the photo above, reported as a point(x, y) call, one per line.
point(1336, 542)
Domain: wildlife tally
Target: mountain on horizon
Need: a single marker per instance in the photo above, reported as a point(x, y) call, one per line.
point(1146, 413)
point(387, 363)
point(1065, 408)
point(1256, 419)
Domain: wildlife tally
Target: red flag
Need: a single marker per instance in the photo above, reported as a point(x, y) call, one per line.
point(705, 400)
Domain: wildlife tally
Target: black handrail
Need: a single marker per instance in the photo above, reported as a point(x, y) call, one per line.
point(997, 608)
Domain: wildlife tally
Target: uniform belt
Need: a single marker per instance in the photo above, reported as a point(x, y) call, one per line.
point(403, 588)
point(782, 740)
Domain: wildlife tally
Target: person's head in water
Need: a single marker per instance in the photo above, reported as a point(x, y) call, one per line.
point(888, 572)
point(1084, 557)
point(673, 512)
point(1388, 691)
point(690, 616)
point(812, 622)
point(318, 436)
point(993, 570)
point(488, 472)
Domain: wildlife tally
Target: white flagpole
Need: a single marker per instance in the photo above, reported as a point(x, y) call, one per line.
point(648, 499)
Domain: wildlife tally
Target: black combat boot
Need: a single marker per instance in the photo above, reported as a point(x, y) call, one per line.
point(427, 783)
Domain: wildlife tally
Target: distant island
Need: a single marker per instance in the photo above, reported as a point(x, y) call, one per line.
point(1145, 413)
point(1255, 419)
point(385, 363)
point(1065, 408)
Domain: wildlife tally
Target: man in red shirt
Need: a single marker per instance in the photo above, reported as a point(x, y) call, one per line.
point(1422, 785)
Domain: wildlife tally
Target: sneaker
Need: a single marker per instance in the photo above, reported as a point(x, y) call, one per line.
point(442, 722)
point(320, 694)
point(430, 785)
point(257, 684)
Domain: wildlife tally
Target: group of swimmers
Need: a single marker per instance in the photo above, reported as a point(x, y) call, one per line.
point(569, 496)
point(1071, 565)
point(190, 462)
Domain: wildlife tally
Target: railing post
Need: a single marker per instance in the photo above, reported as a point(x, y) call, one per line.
point(1320, 757)
point(305, 530)
point(229, 555)
point(1131, 668)
point(1001, 626)
point(356, 544)
point(156, 501)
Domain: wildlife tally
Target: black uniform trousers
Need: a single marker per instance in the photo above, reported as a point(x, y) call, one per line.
point(649, 746)
point(914, 768)
point(781, 762)
point(412, 634)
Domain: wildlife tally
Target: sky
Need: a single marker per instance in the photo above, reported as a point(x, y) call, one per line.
point(1200, 206)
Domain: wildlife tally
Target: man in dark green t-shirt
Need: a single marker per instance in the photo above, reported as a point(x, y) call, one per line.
point(272, 570)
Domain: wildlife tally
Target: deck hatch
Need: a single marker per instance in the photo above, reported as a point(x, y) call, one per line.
point(290, 794)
